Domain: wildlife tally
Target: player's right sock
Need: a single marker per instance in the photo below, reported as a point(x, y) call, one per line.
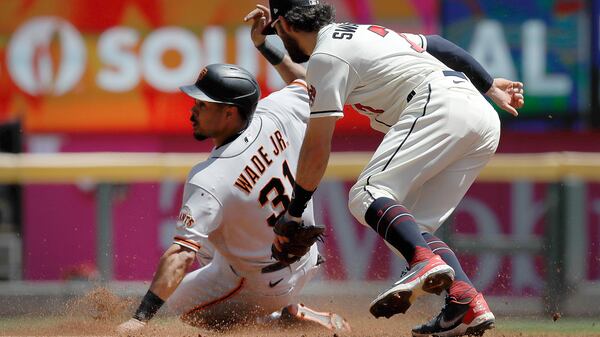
point(427, 272)
point(394, 223)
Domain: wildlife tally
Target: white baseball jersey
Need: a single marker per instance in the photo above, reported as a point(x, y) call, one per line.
point(440, 131)
point(230, 202)
point(370, 67)
point(233, 199)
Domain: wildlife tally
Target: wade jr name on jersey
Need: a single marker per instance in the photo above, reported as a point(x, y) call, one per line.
point(259, 162)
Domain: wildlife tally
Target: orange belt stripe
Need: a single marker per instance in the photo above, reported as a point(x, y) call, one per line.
point(300, 84)
point(193, 244)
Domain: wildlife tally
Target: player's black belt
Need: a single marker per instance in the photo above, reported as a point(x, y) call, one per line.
point(280, 265)
point(446, 73)
point(455, 73)
point(273, 267)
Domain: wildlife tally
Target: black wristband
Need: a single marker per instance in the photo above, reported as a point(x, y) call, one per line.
point(149, 306)
point(272, 54)
point(300, 198)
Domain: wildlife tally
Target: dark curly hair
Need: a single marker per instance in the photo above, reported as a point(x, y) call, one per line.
point(310, 19)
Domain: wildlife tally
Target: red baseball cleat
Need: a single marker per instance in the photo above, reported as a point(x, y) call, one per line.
point(470, 317)
point(430, 276)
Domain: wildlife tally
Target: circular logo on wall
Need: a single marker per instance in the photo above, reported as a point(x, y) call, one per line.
point(46, 55)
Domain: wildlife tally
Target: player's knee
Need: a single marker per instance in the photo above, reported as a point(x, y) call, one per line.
point(358, 203)
point(361, 197)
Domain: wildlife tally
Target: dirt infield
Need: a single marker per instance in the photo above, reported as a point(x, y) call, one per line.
point(98, 312)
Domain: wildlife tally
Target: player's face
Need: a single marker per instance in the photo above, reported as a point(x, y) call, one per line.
point(291, 45)
point(208, 119)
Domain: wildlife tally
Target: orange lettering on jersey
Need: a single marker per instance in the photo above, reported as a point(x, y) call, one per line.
point(254, 170)
point(251, 174)
point(280, 141)
point(275, 148)
point(258, 164)
point(243, 184)
point(185, 217)
point(265, 156)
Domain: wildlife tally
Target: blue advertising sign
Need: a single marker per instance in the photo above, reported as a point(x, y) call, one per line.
point(544, 44)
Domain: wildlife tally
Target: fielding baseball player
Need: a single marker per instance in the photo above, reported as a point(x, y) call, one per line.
point(439, 133)
point(230, 204)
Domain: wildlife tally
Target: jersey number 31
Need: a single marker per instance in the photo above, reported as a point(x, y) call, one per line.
point(280, 198)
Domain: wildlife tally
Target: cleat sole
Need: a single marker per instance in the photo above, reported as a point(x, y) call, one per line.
point(392, 304)
point(475, 331)
point(480, 329)
point(438, 282)
point(398, 299)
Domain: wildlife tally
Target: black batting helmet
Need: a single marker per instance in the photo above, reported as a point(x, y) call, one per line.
point(228, 84)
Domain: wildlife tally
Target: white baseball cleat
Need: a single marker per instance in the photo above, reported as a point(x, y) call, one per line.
point(132, 325)
point(304, 314)
point(329, 320)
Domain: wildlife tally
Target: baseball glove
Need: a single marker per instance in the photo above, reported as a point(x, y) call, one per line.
point(300, 239)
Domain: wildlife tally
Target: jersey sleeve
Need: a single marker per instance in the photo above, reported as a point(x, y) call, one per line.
point(330, 82)
point(200, 214)
point(459, 59)
point(288, 105)
point(416, 39)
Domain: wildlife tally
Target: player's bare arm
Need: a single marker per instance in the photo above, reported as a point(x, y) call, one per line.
point(508, 95)
point(287, 69)
point(172, 267)
point(315, 151)
point(314, 157)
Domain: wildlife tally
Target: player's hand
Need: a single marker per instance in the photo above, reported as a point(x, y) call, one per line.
point(280, 240)
point(260, 17)
point(132, 325)
point(293, 239)
point(508, 95)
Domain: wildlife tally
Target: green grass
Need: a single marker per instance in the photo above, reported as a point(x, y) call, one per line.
point(563, 326)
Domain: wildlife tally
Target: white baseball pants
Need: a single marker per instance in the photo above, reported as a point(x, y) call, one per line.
point(428, 160)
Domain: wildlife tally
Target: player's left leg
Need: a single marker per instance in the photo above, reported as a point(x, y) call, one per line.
point(466, 311)
point(465, 306)
point(426, 272)
point(414, 150)
point(459, 134)
point(204, 295)
point(280, 290)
